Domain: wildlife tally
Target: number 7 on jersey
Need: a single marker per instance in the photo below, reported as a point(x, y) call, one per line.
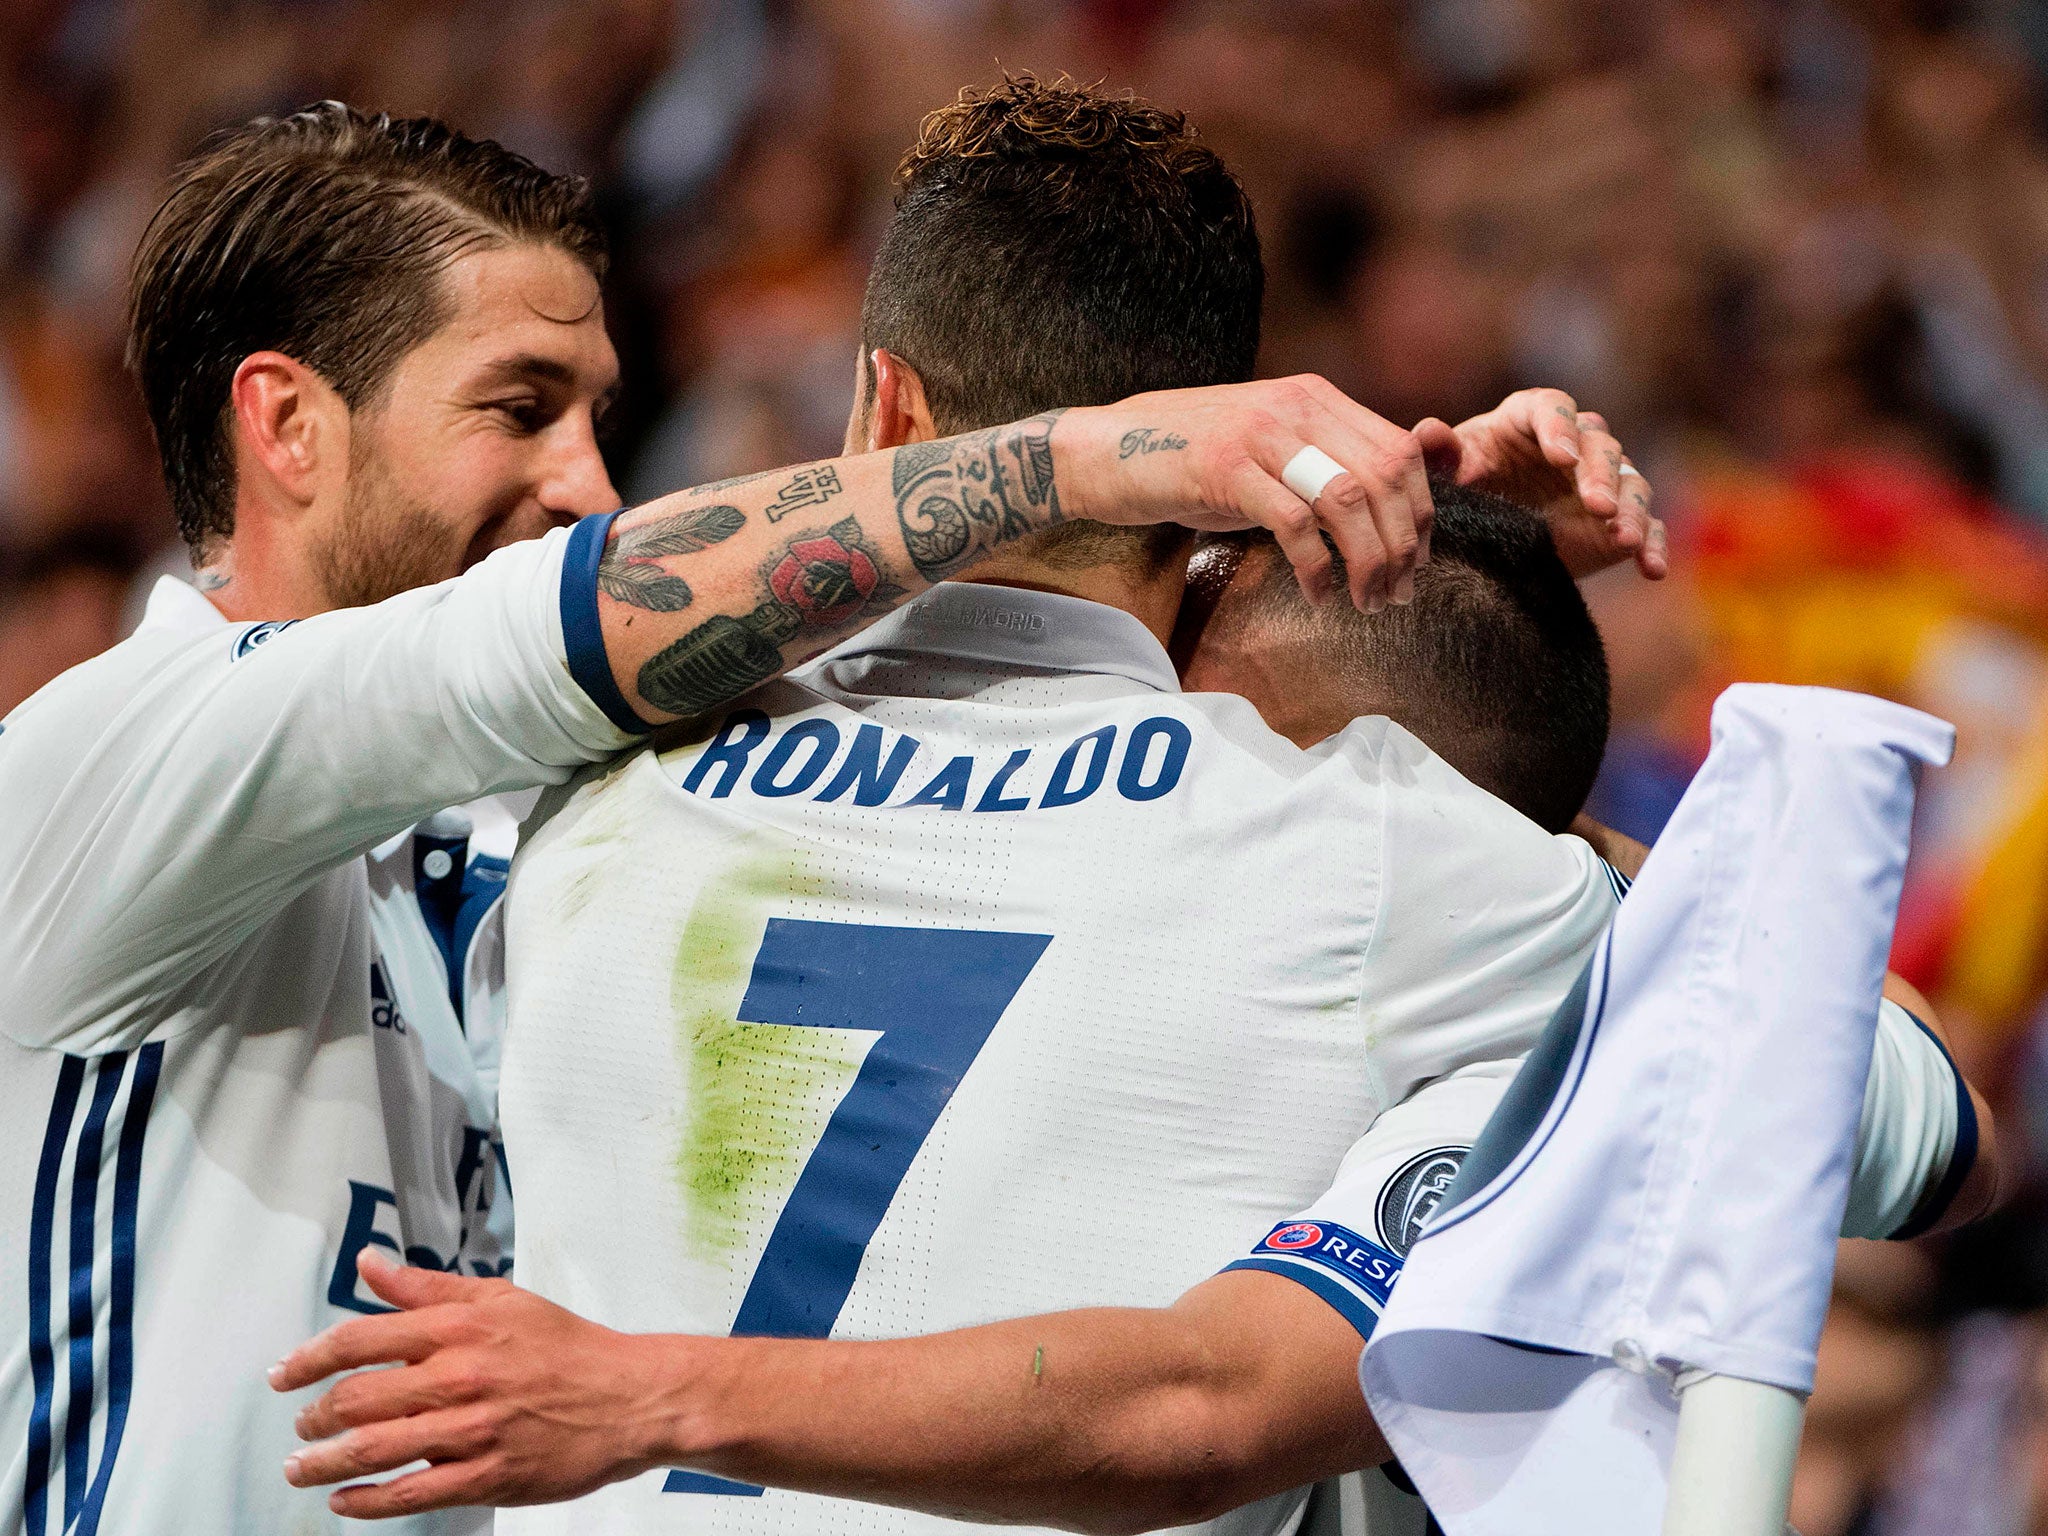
point(934, 996)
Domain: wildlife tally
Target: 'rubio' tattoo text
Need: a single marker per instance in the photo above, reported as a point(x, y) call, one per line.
point(1149, 440)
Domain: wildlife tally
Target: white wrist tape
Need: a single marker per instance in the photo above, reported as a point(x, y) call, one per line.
point(1309, 473)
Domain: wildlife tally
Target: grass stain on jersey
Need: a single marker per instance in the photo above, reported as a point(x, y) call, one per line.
point(757, 1095)
point(602, 835)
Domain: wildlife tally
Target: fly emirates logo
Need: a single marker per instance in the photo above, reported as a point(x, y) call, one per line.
point(815, 759)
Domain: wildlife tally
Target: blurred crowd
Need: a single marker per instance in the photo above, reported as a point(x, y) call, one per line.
point(1796, 250)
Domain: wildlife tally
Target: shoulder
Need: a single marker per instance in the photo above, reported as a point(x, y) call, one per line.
point(144, 675)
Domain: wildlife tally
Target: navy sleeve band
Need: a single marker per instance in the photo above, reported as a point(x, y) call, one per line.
point(1961, 1160)
point(1349, 1307)
point(581, 636)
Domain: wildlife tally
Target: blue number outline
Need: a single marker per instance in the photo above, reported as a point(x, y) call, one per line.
point(933, 996)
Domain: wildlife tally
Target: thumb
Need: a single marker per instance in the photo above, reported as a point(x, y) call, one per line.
point(1442, 449)
point(406, 1286)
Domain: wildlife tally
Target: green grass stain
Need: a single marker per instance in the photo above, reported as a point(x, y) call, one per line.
point(600, 836)
point(757, 1095)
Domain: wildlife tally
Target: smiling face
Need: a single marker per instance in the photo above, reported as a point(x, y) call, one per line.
point(484, 434)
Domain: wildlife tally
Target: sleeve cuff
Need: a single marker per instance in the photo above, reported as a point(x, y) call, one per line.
point(582, 637)
point(1348, 1306)
point(1962, 1157)
point(1353, 1274)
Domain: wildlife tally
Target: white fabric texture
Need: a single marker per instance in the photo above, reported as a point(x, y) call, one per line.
point(1225, 958)
point(229, 1051)
point(1663, 1186)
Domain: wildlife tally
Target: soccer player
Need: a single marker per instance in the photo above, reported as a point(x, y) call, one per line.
point(373, 353)
point(976, 969)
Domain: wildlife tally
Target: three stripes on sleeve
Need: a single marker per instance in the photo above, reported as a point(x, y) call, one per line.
point(98, 1119)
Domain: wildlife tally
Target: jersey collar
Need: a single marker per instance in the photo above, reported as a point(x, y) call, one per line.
point(1016, 627)
point(179, 606)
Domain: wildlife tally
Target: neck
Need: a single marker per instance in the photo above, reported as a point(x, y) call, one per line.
point(262, 573)
point(1151, 597)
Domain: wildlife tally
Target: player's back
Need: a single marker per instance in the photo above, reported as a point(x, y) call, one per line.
point(978, 973)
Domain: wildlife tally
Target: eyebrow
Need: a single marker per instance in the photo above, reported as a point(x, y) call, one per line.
point(531, 366)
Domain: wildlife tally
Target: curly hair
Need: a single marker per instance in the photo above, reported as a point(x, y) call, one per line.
point(1068, 132)
point(1055, 244)
point(321, 235)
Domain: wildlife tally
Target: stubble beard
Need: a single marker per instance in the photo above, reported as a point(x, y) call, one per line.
point(385, 542)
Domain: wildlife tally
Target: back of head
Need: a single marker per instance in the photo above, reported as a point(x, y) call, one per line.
point(1496, 664)
point(321, 235)
point(1054, 246)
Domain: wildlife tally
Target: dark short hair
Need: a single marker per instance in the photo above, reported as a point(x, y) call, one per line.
point(1055, 245)
point(321, 235)
point(1496, 665)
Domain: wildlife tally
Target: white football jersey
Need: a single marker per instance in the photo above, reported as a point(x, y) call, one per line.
point(230, 1053)
point(975, 972)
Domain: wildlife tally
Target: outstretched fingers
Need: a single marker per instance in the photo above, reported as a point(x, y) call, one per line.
point(370, 1396)
point(446, 1434)
point(434, 1308)
point(1636, 529)
point(384, 1340)
point(446, 1486)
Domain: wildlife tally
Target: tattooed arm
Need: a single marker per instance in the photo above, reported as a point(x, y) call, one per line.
point(710, 592)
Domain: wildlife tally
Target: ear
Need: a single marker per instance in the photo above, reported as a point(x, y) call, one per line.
point(899, 413)
point(290, 428)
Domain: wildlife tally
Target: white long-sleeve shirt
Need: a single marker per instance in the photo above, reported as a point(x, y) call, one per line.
point(227, 1058)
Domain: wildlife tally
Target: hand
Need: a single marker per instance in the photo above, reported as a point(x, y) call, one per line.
point(513, 1399)
point(1212, 459)
point(1537, 448)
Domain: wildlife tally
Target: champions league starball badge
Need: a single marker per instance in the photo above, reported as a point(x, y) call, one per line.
point(1414, 1192)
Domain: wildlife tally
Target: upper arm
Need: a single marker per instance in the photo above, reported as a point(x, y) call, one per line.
point(1284, 1387)
point(150, 834)
point(1347, 1246)
point(1925, 1158)
point(1485, 921)
point(1290, 1317)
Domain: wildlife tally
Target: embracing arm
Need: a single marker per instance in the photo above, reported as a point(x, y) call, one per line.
point(707, 593)
point(163, 805)
point(1110, 1419)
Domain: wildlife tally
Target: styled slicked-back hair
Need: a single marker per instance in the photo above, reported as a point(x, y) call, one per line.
point(321, 235)
point(1055, 245)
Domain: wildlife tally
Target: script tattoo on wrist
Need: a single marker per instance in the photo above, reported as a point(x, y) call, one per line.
point(960, 498)
point(819, 580)
point(812, 487)
point(1149, 440)
point(628, 572)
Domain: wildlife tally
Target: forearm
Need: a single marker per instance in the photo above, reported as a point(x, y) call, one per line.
point(1121, 1419)
point(710, 592)
point(694, 599)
